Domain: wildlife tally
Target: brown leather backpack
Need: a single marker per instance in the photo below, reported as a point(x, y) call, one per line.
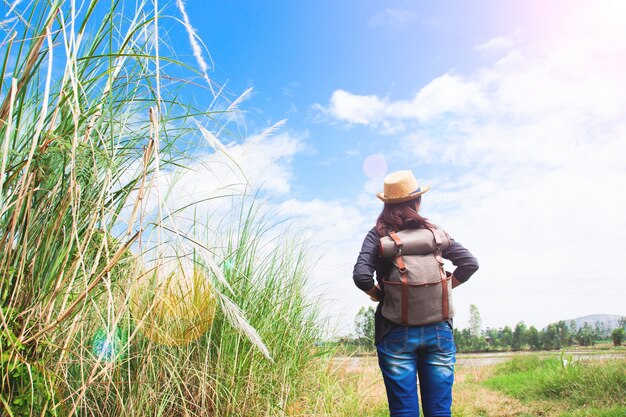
point(417, 290)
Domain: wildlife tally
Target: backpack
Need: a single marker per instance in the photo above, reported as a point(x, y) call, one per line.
point(417, 290)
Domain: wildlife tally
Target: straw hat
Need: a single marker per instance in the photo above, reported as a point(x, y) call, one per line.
point(401, 186)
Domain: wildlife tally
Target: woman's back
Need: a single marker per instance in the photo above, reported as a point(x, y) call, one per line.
point(405, 349)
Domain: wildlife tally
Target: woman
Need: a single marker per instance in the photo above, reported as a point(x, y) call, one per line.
point(406, 351)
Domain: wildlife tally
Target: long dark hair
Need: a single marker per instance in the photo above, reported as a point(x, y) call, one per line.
point(396, 217)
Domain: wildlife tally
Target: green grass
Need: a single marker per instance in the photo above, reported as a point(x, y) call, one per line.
point(618, 411)
point(578, 386)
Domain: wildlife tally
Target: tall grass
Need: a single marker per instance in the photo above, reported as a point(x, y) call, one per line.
point(89, 121)
point(222, 372)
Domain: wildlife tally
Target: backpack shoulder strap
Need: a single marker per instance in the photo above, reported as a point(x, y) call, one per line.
point(438, 241)
point(396, 240)
point(404, 279)
point(442, 273)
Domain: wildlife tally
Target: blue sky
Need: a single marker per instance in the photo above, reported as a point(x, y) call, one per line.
point(295, 54)
point(513, 111)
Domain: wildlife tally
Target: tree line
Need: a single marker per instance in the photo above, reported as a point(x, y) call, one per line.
point(554, 336)
point(476, 339)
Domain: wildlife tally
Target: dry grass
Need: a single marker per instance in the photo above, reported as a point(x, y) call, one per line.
point(361, 375)
point(364, 373)
point(360, 385)
point(471, 399)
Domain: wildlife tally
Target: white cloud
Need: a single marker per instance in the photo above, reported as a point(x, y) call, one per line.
point(496, 44)
point(394, 18)
point(449, 93)
point(526, 159)
point(204, 190)
point(356, 109)
point(334, 232)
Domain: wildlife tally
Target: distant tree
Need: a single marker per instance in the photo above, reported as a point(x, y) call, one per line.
point(475, 321)
point(499, 339)
point(534, 338)
point(492, 339)
point(551, 337)
point(364, 324)
point(465, 342)
point(618, 336)
point(520, 336)
point(622, 322)
point(478, 344)
point(586, 335)
point(565, 335)
point(460, 339)
point(506, 338)
point(601, 331)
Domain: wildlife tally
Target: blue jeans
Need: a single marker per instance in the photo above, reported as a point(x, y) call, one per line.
point(427, 351)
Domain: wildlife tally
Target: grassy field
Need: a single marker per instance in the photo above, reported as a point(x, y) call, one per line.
point(524, 384)
point(535, 386)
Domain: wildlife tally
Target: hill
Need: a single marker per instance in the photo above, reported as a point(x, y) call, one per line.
point(610, 321)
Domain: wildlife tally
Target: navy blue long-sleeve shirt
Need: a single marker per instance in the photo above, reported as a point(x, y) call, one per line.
point(369, 262)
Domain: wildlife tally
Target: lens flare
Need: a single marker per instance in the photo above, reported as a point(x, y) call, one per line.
point(228, 265)
point(173, 310)
point(375, 166)
point(108, 345)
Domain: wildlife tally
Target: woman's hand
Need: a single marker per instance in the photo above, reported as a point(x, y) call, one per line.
point(374, 293)
point(455, 282)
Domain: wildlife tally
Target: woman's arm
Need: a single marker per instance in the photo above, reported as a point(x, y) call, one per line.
point(466, 263)
point(366, 264)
